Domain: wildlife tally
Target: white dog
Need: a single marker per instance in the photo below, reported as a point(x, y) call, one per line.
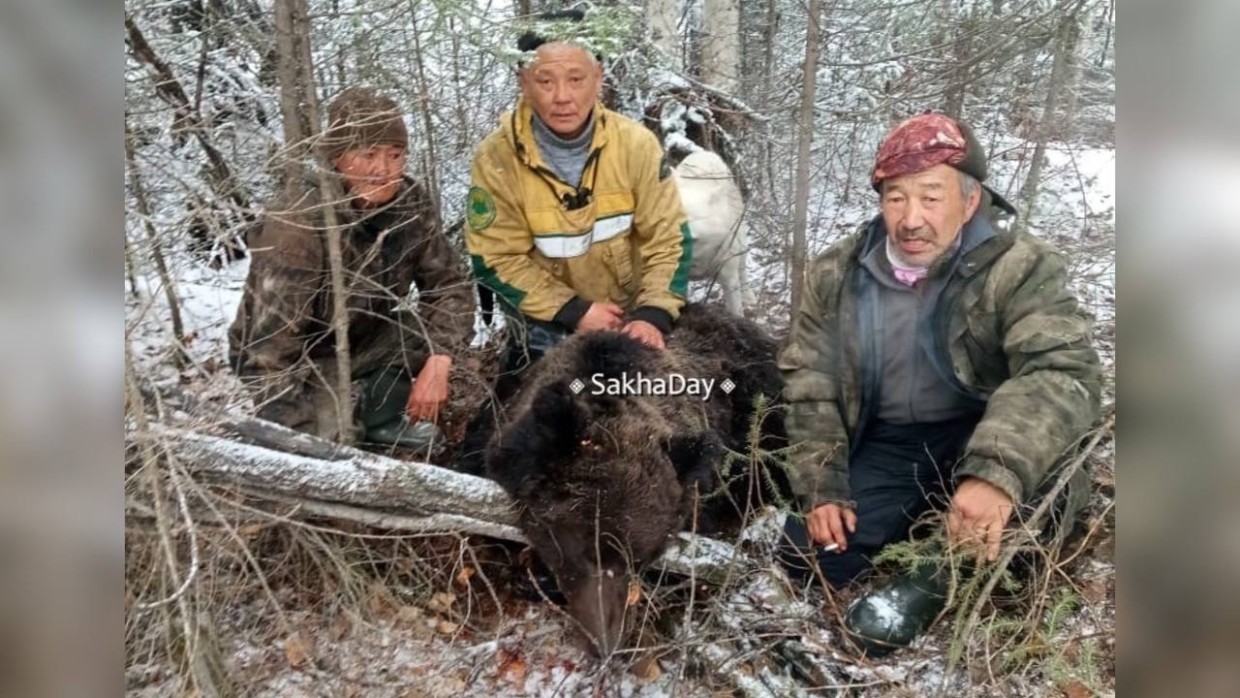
point(712, 202)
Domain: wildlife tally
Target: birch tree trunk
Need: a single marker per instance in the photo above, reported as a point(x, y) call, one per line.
point(295, 143)
point(721, 45)
point(1064, 47)
point(1072, 79)
point(768, 72)
point(297, 83)
point(464, 137)
point(664, 17)
point(805, 137)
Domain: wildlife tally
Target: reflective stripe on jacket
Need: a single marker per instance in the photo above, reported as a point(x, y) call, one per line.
point(538, 242)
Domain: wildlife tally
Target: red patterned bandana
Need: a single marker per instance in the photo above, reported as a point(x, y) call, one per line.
point(919, 143)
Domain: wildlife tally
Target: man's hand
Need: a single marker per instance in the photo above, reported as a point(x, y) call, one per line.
point(601, 316)
point(979, 513)
point(430, 389)
point(827, 523)
point(645, 333)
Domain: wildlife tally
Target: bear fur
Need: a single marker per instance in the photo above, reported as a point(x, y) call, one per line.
point(603, 481)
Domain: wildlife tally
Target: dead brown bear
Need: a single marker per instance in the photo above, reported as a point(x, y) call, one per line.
point(604, 480)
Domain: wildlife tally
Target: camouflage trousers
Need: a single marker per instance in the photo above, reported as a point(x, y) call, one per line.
point(306, 396)
point(378, 397)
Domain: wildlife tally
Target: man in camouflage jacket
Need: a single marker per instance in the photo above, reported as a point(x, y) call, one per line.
point(937, 355)
point(282, 340)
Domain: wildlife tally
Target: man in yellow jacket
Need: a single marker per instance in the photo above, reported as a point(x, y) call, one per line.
point(574, 220)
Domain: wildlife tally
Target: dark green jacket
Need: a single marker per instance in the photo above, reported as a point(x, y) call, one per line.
point(284, 325)
point(1005, 330)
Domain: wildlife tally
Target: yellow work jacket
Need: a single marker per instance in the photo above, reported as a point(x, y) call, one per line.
point(538, 241)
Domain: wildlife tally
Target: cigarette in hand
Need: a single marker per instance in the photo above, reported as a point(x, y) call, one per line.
point(829, 548)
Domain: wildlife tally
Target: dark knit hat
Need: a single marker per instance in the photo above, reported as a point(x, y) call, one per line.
point(536, 36)
point(360, 117)
point(933, 138)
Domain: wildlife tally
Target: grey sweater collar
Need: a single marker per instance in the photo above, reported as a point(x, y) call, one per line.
point(544, 134)
point(567, 158)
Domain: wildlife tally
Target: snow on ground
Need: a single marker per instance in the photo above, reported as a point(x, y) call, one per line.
point(532, 652)
point(418, 653)
point(208, 302)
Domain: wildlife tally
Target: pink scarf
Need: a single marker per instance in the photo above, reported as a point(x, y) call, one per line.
point(904, 273)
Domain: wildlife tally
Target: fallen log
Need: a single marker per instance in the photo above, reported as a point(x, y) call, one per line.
point(336, 474)
point(308, 476)
point(322, 478)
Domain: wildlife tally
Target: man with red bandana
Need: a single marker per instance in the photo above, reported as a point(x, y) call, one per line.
point(937, 361)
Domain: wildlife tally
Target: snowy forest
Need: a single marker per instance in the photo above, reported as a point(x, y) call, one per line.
point(263, 562)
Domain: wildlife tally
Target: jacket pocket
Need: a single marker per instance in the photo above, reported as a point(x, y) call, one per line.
point(619, 258)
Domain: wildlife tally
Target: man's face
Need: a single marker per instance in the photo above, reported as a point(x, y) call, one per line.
point(371, 174)
point(925, 211)
point(562, 84)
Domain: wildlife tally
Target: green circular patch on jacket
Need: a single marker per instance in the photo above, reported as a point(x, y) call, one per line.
point(480, 209)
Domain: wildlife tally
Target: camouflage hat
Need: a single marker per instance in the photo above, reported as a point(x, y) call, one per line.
point(923, 141)
point(360, 117)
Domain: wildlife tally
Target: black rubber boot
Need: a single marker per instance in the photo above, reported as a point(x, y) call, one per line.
point(417, 436)
point(892, 616)
point(382, 397)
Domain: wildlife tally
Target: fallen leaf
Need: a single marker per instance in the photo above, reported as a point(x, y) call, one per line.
point(379, 601)
point(297, 650)
point(441, 602)
point(339, 628)
point(646, 669)
point(463, 577)
point(635, 594)
point(512, 668)
point(409, 614)
point(423, 630)
point(1076, 689)
point(1095, 591)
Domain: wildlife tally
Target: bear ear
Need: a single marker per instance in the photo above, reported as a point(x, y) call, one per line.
point(527, 448)
point(554, 408)
point(694, 456)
